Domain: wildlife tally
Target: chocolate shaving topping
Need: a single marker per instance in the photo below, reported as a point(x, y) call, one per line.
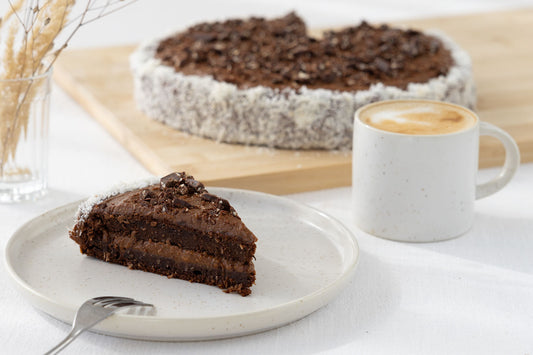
point(278, 53)
point(171, 180)
point(184, 189)
point(181, 203)
point(194, 184)
point(209, 197)
point(179, 190)
point(224, 205)
point(185, 184)
point(220, 203)
point(382, 65)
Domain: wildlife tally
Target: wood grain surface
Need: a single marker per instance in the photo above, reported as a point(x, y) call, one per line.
point(500, 45)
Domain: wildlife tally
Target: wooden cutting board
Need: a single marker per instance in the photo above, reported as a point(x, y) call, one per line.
point(501, 47)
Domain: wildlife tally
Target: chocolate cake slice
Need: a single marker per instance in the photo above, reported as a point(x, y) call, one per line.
point(174, 228)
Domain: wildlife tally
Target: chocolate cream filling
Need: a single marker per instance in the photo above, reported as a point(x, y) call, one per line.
point(177, 254)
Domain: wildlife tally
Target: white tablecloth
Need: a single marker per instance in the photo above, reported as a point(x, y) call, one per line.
point(471, 295)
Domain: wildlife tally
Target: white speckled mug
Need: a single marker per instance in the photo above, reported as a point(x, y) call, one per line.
point(414, 169)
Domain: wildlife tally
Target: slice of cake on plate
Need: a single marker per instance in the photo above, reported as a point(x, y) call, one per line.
point(267, 82)
point(173, 227)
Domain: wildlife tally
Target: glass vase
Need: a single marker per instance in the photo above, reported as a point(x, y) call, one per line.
point(24, 115)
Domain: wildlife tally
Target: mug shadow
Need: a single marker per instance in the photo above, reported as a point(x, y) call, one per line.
point(492, 241)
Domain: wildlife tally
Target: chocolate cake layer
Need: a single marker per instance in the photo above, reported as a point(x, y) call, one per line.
point(173, 263)
point(279, 54)
point(154, 220)
point(105, 241)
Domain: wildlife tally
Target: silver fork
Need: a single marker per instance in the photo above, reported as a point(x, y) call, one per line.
point(92, 312)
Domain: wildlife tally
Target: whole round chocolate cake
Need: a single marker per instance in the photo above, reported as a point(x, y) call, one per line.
point(267, 82)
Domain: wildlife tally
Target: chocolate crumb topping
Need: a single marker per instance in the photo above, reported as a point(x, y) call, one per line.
point(184, 189)
point(220, 203)
point(147, 195)
point(278, 53)
point(177, 188)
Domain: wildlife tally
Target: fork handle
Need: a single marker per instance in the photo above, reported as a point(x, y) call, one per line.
point(69, 338)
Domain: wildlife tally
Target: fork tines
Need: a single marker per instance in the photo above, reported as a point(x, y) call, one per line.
point(113, 301)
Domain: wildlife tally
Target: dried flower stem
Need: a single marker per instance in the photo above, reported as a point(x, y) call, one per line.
point(30, 28)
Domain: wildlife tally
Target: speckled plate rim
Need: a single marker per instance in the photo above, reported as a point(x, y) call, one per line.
point(187, 329)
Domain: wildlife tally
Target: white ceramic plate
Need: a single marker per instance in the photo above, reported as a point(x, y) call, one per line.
point(303, 259)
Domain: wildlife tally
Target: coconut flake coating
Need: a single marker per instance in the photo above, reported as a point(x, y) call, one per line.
point(85, 207)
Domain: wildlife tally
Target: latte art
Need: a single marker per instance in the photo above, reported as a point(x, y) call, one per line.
point(417, 118)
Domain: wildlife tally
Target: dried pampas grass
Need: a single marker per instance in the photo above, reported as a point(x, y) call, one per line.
point(28, 32)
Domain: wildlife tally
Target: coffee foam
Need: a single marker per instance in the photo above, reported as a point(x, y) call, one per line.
point(418, 118)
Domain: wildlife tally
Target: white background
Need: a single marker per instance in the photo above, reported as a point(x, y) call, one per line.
point(472, 295)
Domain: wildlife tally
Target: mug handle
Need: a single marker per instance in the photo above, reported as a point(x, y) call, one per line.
point(512, 160)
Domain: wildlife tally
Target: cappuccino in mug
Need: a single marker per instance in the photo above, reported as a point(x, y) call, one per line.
point(413, 118)
point(414, 169)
